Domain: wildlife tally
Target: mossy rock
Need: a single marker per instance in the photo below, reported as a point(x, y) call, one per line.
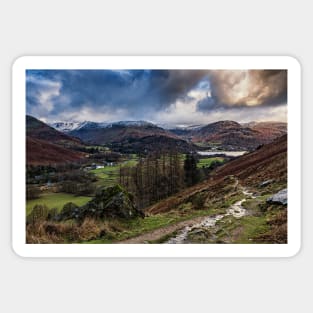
point(70, 211)
point(109, 202)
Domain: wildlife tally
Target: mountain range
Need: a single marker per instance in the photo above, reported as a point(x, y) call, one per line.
point(225, 135)
point(230, 135)
point(59, 142)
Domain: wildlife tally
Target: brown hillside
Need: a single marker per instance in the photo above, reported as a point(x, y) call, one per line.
point(40, 152)
point(119, 133)
point(268, 131)
point(234, 135)
point(39, 130)
point(268, 162)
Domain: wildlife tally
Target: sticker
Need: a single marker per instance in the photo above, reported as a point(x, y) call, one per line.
point(156, 156)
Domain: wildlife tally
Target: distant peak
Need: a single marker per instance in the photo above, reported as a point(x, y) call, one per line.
point(70, 126)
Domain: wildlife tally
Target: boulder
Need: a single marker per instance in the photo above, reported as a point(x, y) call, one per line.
point(70, 211)
point(112, 202)
point(109, 202)
point(281, 197)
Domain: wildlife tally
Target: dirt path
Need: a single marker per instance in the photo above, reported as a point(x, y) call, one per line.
point(160, 232)
point(236, 210)
point(185, 226)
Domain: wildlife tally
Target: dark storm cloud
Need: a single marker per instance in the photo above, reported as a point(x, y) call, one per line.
point(139, 94)
point(135, 91)
point(249, 88)
point(175, 83)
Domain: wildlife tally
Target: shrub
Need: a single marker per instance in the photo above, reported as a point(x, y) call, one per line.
point(39, 213)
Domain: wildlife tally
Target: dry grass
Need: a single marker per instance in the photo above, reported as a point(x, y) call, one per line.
point(52, 232)
point(278, 229)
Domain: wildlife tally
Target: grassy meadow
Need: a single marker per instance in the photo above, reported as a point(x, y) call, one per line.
point(56, 200)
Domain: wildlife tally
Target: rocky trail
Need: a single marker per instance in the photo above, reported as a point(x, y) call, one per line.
point(236, 210)
point(185, 227)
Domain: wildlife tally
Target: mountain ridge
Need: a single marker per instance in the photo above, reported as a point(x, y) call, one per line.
point(45, 145)
point(142, 136)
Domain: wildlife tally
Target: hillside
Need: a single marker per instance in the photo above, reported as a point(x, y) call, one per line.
point(41, 152)
point(39, 130)
point(244, 201)
point(131, 137)
point(222, 135)
point(268, 131)
point(230, 135)
point(45, 145)
point(267, 163)
point(235, 205)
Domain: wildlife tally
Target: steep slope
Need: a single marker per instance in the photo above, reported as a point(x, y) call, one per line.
point(267, 163)
point(45, 145)
point(39, 130)
point(41, 152)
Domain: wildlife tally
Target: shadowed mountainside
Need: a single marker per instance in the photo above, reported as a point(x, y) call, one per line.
point(132, 138)
point(45, 145)
point(41, 152)
point(39, 130)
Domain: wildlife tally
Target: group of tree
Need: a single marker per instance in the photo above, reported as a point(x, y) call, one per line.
point(159, 175)
point(155, 177)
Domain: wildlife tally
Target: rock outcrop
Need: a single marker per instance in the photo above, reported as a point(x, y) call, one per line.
point(110, 202)
point(279, 198)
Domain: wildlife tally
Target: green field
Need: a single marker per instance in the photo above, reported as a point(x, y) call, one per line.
point(56, 200)
point(208, 161)
point(109, 175)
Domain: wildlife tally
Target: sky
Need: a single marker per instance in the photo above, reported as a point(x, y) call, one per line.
point(166, 97)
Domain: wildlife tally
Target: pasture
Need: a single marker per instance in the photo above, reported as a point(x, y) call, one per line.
point(56, 200)
point(206, 162)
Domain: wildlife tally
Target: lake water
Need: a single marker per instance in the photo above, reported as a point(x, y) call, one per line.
point(227, 153)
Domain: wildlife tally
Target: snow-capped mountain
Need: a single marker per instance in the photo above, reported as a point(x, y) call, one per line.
point(190, 127)
point(179, 127)
point(66, 127)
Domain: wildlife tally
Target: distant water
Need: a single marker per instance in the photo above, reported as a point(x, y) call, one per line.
point(227, 153)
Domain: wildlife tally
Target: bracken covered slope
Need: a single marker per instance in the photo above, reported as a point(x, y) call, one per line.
point(267, 162)
point(45, 145)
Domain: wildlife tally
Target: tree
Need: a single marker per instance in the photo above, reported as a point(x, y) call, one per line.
point(155, 177)
point(192, 174)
